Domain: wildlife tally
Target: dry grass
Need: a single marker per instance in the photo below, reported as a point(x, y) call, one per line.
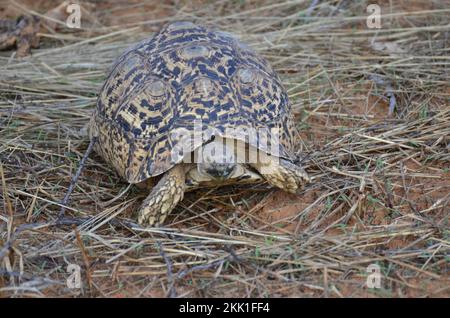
point(373, 108)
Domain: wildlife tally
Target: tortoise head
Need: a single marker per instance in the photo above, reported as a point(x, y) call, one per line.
point(217, 160)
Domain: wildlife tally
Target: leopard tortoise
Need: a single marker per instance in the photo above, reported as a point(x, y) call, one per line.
point(193, 107)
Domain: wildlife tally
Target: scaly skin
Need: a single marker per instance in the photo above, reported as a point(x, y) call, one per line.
point(169, 191)
point(281, 173)
point(164, 197)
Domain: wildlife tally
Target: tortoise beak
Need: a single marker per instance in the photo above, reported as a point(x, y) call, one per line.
point(221, 172)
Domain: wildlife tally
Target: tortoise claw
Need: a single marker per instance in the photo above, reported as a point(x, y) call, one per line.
point(283, 174)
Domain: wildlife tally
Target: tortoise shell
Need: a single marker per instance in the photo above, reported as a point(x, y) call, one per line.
point(170, 94)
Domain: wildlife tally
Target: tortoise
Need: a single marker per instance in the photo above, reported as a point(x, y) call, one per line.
point(193, 107)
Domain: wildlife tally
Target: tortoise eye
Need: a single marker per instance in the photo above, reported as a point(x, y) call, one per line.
point(247, 75)
point(194, 51)
point(156, 88)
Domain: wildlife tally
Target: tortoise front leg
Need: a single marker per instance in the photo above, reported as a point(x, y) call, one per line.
point(164, 197)
point(281, 173)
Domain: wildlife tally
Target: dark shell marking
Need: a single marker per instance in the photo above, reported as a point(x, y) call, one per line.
point(186, 73)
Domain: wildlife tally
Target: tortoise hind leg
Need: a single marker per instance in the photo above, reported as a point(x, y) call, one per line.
point(281, 173)
point(164, 197)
